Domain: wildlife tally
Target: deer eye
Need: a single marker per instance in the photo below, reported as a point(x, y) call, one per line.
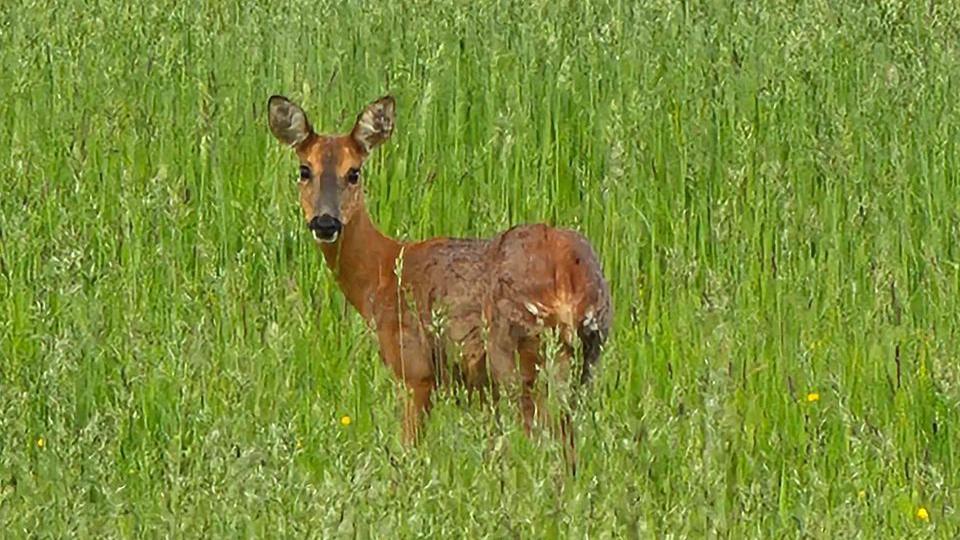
point(353, 176)
point(304, 172)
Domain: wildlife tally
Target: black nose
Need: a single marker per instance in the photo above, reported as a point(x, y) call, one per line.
point(325, 226)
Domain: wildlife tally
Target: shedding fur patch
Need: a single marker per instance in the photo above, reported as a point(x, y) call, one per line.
point(590, 321)
point(563, 308)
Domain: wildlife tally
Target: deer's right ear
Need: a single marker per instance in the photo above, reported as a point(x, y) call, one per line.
point(375, 124)
point(288, 122)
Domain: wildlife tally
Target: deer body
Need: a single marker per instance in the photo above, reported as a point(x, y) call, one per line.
point(473, 312)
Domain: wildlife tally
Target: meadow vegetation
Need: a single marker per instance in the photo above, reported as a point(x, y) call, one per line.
point(773, 188)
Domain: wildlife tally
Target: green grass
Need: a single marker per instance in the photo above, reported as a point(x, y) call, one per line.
point(773, 187)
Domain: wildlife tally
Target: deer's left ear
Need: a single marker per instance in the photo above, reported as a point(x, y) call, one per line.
point(375, 124)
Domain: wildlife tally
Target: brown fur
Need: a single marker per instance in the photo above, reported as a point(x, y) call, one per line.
point(496, 297)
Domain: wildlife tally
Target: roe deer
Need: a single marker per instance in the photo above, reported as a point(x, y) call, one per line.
point(499, 298)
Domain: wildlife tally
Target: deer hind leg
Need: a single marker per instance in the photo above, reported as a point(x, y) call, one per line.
point(503, 363)
point(516, 364)
point(553, 364)
point(565, 429)
point(532, 411)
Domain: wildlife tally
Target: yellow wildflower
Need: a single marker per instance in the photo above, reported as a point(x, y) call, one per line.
point(345, 421)
point(922, 514)
point(41, 443)
point(862, 494)
point(812, 397)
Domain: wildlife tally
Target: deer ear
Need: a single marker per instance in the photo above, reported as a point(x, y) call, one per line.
point(288, 122)
point(375, 124)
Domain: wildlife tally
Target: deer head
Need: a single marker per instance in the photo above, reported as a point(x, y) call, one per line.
point(331, 166)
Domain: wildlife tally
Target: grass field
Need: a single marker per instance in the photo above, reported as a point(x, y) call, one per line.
point(773, 188)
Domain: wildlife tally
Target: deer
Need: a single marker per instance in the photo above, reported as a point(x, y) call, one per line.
point(499, 299)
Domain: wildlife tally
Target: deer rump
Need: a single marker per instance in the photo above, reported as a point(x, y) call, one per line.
point(485, 307)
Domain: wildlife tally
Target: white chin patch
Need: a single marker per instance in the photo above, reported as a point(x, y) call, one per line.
point(323, 240)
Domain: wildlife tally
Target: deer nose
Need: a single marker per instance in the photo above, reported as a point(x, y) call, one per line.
point(325, 227)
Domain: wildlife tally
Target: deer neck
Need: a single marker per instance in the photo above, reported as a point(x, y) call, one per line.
point(362, 261)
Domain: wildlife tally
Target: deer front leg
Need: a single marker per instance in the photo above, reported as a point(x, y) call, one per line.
point(408, 356)
point(416, 405)
point(511, 372)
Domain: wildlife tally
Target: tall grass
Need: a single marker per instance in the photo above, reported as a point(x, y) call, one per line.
point(772, 187)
